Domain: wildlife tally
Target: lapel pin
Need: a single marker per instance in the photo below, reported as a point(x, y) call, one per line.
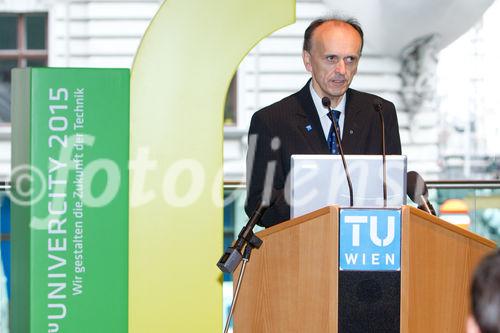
point(309, 128)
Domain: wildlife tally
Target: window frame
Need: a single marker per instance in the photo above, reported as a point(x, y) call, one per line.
point(22, 54)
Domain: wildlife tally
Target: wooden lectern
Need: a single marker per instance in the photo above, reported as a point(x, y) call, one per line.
point(291, 283)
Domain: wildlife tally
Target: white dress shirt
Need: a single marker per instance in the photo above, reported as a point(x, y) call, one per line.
point(323, 112)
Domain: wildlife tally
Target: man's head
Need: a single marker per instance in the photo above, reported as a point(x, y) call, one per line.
point(485, 294)
point(331, 51)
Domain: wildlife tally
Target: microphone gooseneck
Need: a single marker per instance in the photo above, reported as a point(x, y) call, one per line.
point(378, 109)
point(327, 103)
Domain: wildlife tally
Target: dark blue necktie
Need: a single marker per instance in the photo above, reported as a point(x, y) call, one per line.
point(332, 142)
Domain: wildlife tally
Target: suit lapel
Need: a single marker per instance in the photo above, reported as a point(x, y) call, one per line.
point(309, 124)
point(353, 124)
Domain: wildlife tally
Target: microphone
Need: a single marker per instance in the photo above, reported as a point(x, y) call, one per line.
point(418, 193)
point(378, 108)
point(326, 103)
point(232, 256)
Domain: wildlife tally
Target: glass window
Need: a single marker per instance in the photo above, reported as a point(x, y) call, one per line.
point(36, 63)
point(5, 68)
point(36, 26)
point(8, 32)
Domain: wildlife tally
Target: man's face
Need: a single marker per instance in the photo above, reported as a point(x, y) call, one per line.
point(333, 59)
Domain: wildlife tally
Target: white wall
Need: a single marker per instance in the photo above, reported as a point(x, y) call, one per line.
point(97, 33)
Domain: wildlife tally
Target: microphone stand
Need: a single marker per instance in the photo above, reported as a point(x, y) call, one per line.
point(232, 256)
point(245, 258)
point(378, 108)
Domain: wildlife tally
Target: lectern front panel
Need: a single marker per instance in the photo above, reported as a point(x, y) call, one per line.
point(369, 301)
point(369, 270)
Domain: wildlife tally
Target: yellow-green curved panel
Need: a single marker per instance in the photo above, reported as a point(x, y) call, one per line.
point(179, 82)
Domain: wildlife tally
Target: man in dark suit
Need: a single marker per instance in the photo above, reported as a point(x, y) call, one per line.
point(299, 124)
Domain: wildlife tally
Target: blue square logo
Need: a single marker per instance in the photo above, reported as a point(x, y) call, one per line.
point(370, 240)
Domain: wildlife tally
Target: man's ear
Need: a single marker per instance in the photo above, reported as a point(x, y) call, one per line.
point(306, 58)
point(472, 326)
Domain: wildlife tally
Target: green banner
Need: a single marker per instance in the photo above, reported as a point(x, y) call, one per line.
point(70, 134)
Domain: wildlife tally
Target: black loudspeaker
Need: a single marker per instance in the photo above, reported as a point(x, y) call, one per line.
point(369, 301)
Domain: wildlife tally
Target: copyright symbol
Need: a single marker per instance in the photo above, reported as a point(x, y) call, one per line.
point(28, 185)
